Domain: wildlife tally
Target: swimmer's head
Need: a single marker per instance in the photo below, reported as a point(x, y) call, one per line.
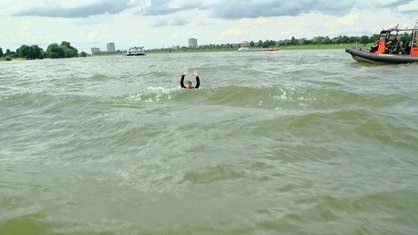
point(189, 84)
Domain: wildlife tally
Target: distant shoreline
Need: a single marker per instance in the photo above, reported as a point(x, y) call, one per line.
point(11, 58)
point(284, 47)
point(235, 49)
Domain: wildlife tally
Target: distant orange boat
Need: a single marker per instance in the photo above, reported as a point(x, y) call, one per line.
point(273, 49)
point(245, 46)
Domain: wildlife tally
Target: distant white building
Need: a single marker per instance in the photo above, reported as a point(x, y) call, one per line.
point(95, 50)
point(111, 47)
point(192, 42)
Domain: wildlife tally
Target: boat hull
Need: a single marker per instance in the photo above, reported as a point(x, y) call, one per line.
point(363, 55)
point(137, 54)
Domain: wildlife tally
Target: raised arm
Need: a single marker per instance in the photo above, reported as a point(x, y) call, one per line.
point(182, 79)
point(196, 74)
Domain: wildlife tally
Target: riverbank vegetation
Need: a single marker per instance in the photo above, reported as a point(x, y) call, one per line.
point(64, 50)
point(287, 44)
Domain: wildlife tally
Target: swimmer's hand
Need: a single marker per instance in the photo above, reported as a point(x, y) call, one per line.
point(185, 72)
point(196, 74)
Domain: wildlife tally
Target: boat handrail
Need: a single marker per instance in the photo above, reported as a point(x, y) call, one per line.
point(414, 39)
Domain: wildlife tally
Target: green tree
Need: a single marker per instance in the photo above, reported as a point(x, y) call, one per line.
point(327, 40)
point(343, 39)
point(268, 43)
point(354, 39)
point(55, 51)
point(364, 39)
point(65, 50)
point(24, 51)
point(1, 52)
point(405, 37)
point(294, 41)
point(31, 52)
point(69, 51)
point(83, 54)
point(374, 37)
point(37, 52)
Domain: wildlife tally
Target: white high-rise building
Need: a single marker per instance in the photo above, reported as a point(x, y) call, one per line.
point(95, 50)
point(111, 47)
point(192, 42)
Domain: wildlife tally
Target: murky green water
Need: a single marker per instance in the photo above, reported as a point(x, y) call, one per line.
point(288, 142)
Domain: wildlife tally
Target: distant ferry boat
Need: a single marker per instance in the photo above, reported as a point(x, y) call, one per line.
point(135, 51)
point(244, 48)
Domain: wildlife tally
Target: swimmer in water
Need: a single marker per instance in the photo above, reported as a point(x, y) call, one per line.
point(189, 84)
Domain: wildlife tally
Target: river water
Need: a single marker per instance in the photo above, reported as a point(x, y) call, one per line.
point(288, 142)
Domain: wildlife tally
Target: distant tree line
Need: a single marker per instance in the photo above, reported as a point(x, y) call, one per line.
point(8, 55)
point(336, 40)
point(64, 50)
point(292, 41)
point(325, 40)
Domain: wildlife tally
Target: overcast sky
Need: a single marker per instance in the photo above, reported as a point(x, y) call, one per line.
point(159, 23)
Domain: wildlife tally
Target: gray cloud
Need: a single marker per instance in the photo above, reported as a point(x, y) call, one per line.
point(254, 9)
point(172, 22)
point(108, 6)
point(232, 9)
point(397, 3)
point(236, 9)
point(162, 7)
